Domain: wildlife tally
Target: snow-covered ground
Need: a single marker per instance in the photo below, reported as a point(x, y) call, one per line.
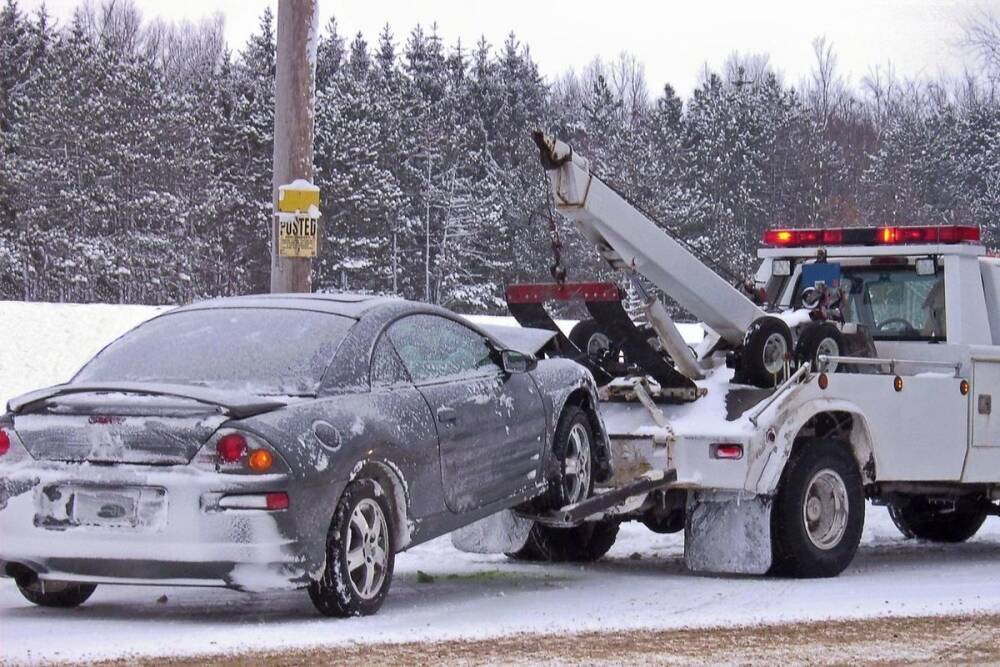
point(641, 584)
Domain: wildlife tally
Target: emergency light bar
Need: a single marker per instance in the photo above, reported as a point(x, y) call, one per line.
point(797, 238)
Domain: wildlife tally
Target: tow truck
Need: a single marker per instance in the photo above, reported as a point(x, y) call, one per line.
point(859, 363)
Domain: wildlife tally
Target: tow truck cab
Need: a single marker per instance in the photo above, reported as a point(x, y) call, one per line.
point(930, 297)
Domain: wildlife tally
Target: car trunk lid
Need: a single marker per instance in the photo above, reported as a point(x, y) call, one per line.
point(125, 427)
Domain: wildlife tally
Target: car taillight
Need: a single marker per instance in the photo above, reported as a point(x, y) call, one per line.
point(277, 501)
point(231, 448)
point(4, 442)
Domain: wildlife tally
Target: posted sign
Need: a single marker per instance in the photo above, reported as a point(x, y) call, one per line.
point(298, 212)
point(297, 236)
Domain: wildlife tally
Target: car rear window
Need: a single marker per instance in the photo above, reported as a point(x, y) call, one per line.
point(256, 350)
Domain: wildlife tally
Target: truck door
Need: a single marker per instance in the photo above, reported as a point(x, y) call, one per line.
point(490, 424)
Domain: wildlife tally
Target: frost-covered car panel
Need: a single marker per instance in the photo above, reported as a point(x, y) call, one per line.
point(274, 442)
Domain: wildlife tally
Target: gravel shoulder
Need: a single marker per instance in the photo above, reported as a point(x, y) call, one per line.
point(968, 639)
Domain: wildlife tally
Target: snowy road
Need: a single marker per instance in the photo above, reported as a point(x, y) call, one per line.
point(475, 596)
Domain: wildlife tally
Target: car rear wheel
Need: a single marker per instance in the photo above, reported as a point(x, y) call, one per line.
point(360, 554)
point(955, 521)
point(818, 514)
point(62, 594)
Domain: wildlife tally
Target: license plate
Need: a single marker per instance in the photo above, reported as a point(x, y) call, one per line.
point(115, 509)
point(139, 508)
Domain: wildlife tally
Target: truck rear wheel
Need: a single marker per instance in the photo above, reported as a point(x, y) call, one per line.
point(819, 511)
point(955, 521)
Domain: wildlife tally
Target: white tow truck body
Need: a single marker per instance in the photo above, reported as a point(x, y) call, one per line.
point(913, 411)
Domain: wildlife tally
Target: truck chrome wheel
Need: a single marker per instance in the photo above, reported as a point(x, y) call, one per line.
point(367, 549)
point(576, 472)
point(825, 508)
point(775, 350)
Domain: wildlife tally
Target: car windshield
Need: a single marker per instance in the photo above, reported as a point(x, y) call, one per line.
point(255, 350)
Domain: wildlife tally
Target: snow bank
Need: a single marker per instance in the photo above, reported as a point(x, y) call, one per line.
point(42, 344)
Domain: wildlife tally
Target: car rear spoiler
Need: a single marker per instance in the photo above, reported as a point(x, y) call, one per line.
point(234, 404)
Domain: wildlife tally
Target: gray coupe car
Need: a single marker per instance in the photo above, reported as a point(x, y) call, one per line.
point(286, 441)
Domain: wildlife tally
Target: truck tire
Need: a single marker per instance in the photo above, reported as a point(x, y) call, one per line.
point(61, 594)
point(816, 339)
point(589, 339)
point(766, 346)
point(953, 523)
point(819, 511)
point(360, 554)
point(585, 543)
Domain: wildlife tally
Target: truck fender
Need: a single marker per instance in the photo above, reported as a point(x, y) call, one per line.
point(788, 425)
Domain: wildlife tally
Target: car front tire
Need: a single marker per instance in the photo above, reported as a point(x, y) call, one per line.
point(571, 482)
point(360, 554)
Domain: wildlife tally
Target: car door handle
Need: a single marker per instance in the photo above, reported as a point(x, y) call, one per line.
point(446, 415)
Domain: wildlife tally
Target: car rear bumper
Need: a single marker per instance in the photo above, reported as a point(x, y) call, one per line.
point(180, 537)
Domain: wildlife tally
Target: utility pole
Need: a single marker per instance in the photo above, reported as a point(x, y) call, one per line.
point(294, 89)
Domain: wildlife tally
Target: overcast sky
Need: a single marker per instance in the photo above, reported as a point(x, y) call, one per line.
point(673, 38)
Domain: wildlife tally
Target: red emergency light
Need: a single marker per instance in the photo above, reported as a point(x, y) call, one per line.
point(798, 238)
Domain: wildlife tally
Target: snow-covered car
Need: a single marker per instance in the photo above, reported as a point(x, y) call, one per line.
point(286, 441)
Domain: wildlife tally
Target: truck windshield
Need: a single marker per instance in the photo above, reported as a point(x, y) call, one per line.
point(263, 351)
point(896, 303)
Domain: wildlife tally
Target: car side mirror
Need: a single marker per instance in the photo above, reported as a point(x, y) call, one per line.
point(513, 361)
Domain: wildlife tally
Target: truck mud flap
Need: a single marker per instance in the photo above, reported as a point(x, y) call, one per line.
point(727, 533)
point(503, 532)
point(617, 325)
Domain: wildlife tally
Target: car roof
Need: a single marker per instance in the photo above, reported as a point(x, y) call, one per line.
point(345, 304)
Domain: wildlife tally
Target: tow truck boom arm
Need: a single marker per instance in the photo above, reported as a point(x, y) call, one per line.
point(629, 240)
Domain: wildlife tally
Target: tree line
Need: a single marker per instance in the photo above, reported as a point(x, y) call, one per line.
point(135, 157)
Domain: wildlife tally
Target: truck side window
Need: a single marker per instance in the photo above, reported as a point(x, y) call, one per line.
point(897, 304)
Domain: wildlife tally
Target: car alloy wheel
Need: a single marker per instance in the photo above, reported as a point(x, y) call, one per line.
point(367, 549)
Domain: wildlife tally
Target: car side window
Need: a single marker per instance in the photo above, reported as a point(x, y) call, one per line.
point(433, 347)
point(387, 367)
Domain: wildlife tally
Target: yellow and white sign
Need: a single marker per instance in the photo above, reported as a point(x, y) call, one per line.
point(298, 215)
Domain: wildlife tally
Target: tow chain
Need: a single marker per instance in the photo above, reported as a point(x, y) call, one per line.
point(557, 269)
